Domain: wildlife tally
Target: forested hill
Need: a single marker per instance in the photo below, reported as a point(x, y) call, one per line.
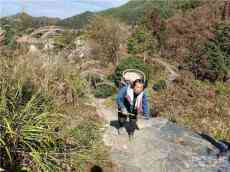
point(130, 13)
point(133, 11)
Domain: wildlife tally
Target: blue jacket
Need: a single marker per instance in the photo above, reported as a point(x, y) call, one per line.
point(123, 103)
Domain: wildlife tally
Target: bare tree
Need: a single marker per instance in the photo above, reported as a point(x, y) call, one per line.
point(107, 35)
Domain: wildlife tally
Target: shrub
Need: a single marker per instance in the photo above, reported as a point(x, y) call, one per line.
point(10, 34)
point(160, 85)
point(131, 63)
point(188, 4)
point(141, 41)
point(104, 91)
point(212, 62)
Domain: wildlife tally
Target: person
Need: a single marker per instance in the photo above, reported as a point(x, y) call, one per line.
point(132, 99)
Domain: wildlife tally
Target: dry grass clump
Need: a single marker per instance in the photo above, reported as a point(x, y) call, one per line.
point(79, 131)
point(51, 73)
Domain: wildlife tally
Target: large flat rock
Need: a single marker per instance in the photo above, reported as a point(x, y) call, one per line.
point(161, 146)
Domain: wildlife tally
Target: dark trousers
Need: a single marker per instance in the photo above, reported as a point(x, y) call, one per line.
point(132, 122)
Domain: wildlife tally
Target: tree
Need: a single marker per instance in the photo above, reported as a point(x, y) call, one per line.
point(108, 35)
point(212, 61)
point(149, 34)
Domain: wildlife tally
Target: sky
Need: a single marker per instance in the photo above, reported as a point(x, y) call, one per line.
point(55, 8)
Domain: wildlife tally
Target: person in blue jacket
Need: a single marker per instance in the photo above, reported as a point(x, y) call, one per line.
point(132, 99)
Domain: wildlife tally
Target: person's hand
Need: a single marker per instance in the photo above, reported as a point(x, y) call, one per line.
point(124, 111)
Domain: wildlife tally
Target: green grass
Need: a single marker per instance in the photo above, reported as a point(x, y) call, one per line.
point(38, 133)
point(28, 138)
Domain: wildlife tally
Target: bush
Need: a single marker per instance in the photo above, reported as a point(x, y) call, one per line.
point(131, 63)
point(160, 85)
point(104, 91)
point(10, 34)
point(141, 41)
point(188, 4)
point(212, 62)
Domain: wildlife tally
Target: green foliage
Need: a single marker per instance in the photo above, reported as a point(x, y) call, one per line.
point(77, 84)
point(131, 12)
point(131, 63)
point(223, 40)
point(134, 10)
point(78, 21)
point(187, 4)
point(213, 61)
point(27, 127)
point(10, 33)
point(160, 85)
point(222, 89)
point(104, 91)
point(87, 136)
point(66, 39)
point(23, 21)
point(86, 133)
point(141, 41)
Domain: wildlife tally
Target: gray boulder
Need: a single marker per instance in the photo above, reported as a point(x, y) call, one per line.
point(162, 146)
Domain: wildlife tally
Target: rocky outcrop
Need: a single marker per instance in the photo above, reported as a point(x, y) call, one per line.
point(161, 146)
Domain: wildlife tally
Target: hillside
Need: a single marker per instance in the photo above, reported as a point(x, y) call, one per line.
point(25, 20)
point(129, 13)
point(59, 82)
point(133, 11)
point(77, 21)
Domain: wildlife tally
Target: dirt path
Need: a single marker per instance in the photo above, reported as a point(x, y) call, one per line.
point(173, 74)
point(159, 147)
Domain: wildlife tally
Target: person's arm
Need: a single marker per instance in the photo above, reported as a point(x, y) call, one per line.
point(145, 105)
point(121, 98)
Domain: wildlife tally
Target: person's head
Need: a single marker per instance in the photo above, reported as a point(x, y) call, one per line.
point(138, 86)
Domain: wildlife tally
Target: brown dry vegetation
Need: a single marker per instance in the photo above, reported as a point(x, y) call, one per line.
point(50, 73)
point(53, 75)
point(202, 106)
point(191, 28)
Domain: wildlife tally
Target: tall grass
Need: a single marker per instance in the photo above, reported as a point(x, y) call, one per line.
point(49, 72)
point(34, 136)
point(27, 128)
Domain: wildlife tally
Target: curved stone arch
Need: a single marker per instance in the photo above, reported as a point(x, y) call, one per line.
point(173, 74)
point(92, 73)
point(107, 83)
point(46, 31)
point(89, 75)
point(88, 63)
